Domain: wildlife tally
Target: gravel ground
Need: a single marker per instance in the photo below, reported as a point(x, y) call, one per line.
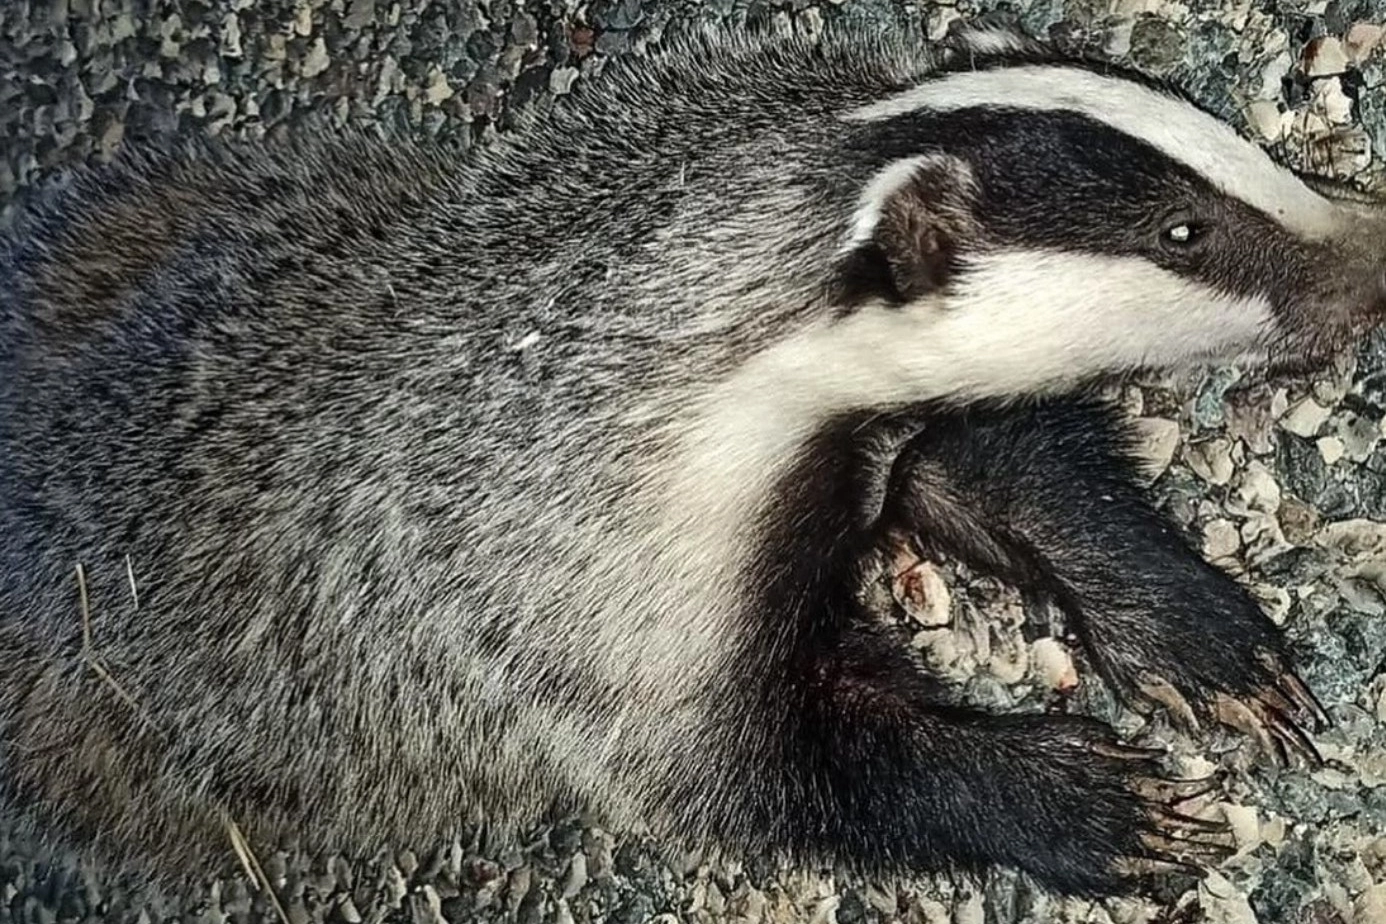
point(1284, 481)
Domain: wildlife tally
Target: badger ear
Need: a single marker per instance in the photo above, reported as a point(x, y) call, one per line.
point(914, 218)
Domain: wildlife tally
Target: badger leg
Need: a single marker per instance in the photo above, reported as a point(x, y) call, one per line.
point(846, 747)
point(899, 778)
point(1049, 497)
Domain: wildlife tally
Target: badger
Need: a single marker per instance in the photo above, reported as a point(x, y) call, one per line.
point(354, 488)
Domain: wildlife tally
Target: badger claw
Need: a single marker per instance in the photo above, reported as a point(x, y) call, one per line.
point(1172, 842)
point(1144, 867)
point(1275, 711)
point(1127, 751)
point(1264, 717)
point(1161, 692)
point(1302, 701)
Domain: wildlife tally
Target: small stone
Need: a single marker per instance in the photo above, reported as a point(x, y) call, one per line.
point(1359, 435)
point(1371, 904)
point(577, 875)
point(561, 80)
point(1158, 439)
point(941, 18)
point(1053, 665)
point(1325, 56)
point(1274, 600)
point(1304, 418)
point(1329, 388)
point(1010, 660)
point(230, 45)
point(921, 591)
point(1280, 403)
point(360, 14)
point(1209, 407)
point(1363, 39)
point(1211, 460)
point(303, 21)
point(1331, 448)
point(950, 654)
point(1265, 118)
point(1257, 491)
point(1274, 75)
point(1223, 902)
point(1246, 829)
point(317, 59)
point(438, 87)
point(1330, 100)
point(1357, 538)
point(1156, 44)
point(1262, 538)
point(169, 45)
point(1220, 539)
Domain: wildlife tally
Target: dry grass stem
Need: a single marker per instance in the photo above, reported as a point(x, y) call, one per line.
point(89, 654)
point(239, 844)
point(252, 865)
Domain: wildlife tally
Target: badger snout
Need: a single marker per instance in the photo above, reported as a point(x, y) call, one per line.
point(1343, 296)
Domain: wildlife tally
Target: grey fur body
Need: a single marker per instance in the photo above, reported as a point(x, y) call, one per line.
point(440, 479)
point(455, 436)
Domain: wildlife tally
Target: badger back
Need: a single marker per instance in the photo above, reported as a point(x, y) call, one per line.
point(465, 470)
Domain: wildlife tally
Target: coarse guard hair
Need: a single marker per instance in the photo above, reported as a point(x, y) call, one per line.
point(352, 489)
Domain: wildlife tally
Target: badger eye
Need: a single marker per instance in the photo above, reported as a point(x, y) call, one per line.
point(1182, 234)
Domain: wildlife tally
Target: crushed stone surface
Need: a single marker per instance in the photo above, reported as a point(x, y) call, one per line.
point(1284, 482)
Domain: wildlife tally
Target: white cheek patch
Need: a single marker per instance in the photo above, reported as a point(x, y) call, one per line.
point(1015, 322)
point(1182, 132)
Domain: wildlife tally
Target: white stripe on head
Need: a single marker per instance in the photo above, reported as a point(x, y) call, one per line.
point(1181, 131)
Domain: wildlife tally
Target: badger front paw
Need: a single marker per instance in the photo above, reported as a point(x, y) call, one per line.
point(1208, 655)
point(1274, 709)
point(1092, 815)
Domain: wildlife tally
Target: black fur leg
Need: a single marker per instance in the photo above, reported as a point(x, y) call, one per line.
point(908, 781)
point(1049, 496)
point(862, 759)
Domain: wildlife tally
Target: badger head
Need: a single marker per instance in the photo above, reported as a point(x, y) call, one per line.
point(1039, 221)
